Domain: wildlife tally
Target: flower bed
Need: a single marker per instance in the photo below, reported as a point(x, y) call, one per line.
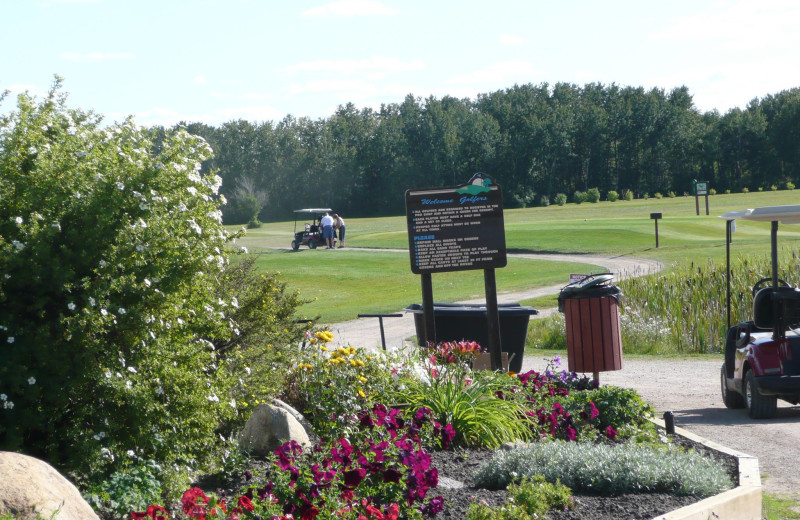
point(390, 461)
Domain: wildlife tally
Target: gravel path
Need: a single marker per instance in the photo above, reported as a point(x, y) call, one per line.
point(687, 387)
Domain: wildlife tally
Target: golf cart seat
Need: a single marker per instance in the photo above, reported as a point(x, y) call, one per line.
point(788, 307)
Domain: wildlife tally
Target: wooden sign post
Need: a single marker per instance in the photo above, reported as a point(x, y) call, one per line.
point(458, 228)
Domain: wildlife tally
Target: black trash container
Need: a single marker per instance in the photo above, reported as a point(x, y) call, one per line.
point(456, 322)
point(591, 314)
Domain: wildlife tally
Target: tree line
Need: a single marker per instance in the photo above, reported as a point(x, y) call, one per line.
point(537, 141)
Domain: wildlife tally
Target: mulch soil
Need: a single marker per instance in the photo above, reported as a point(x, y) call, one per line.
point(461, 465)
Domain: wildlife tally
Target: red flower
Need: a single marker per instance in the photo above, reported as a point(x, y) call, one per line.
point(245, 503)
point(194, 501)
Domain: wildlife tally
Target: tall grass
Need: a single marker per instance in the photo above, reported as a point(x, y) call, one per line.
point(682, 310)
point(685, 311)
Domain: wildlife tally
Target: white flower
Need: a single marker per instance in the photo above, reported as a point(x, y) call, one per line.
point(19, 245)
point(108, 374)
point(243, 249)
point(92, 301)
point(247, 369)
point(139, 247)
point(160, 390)
point(192, 190)
point(18, 220)
point(213, 398)
point(234, 302)
point(56, 225)
point(120, 186)
point(31, 380)
point(8, 405)
point(131, 453)
point(102, 263)
point(104, 312)
point(147, 282)
point(71, 306)
point(182, 207)
point(3, 397)
point(10, 339)
point(121, 310)
point(132, 370)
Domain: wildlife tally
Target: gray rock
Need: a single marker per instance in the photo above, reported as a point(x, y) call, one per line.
point(269, 427)
point(29, 486)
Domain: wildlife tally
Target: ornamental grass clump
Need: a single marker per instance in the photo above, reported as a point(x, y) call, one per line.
point(472, 401)
point(609, 469)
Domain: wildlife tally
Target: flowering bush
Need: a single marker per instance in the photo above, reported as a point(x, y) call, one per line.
point(111, 315)
point(332, 385)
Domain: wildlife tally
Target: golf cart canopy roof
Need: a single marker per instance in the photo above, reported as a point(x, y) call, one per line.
point(782, 214)
point(313, 211)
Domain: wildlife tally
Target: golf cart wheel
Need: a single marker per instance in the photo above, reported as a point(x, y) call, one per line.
point(295, 245)
point(731, 398)
point(759, 406)
point(312, 244)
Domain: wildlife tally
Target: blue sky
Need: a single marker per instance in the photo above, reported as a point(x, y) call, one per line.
point(218, 60)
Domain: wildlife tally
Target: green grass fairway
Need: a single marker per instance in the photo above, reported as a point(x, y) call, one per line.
point(346, 282)
point(343, 283)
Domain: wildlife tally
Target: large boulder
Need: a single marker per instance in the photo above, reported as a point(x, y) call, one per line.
point(268, 427)
point(30, 487)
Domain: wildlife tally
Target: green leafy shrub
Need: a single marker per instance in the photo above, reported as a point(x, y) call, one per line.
point(544, 201)
point(745, 190)
point(560, 199)
point(671, 194)
point(627, 195)
point(112, 251)
point(593, 195)
point(789, 185)
point(606, 469)
point(619, 408)
point(712, 191)
point(657, 195)
point(612, 196)
point(132, 487)
point(547, 333)
point(579, 197)
point(531, 498)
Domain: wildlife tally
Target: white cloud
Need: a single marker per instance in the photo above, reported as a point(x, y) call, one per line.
point(350, 8)
point(373, 64)
point(738, 25)
point(200, 80)
point(168, 117)
point(503, 72)
point(510, 40)
point(96, 56)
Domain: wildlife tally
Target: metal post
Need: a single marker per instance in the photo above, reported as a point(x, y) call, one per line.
point(493, 319)
point(728, 238)
point(669, 422)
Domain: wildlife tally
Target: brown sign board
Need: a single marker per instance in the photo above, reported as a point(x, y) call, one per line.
point(456, 228)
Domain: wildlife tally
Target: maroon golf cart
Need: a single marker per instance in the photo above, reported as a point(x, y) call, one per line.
point(762, 356)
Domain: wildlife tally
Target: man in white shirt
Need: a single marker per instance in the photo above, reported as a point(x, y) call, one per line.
point(327, 230)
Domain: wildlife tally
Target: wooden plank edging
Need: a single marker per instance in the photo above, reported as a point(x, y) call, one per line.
point(740, 503)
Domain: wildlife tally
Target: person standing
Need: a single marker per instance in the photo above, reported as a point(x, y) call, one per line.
point(338, 225)
point(327, 230)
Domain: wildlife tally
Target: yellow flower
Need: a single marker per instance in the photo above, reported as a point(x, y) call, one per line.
point(353, 363)
point(361, 393)
point(313, 340)
point(362, 379)
point(323, 348)
point(359, 363)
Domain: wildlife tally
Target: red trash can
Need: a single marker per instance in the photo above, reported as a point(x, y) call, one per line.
point(591, 314)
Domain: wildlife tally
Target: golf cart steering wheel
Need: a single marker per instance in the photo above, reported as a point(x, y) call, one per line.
point(763, 283)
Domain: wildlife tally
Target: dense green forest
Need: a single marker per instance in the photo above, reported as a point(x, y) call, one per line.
point(537, 141)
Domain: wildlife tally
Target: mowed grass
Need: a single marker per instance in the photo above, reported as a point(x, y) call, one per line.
point(346, 282)
point(343, 283)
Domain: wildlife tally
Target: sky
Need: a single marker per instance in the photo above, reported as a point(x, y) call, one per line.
point(213, 61)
